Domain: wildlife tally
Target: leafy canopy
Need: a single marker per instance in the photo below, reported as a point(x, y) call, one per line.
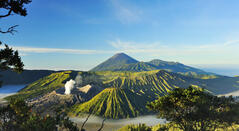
point(17, 116)
point(194, 109)
point(10, 59)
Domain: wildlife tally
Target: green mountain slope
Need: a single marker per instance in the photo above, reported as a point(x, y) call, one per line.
point(136, 67)
point(45, 85)
point(113, 103)
point(151, 83)
point(115, 62)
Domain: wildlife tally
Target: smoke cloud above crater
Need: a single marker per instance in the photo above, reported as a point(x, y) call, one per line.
point(69, 86)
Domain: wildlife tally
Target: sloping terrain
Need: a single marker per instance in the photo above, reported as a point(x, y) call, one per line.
point(175, 67)
point(45, 85)
point(136, 67)
point(151, 83)
point(113, 103)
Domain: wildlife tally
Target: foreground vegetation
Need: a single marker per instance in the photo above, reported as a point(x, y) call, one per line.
point(17, 116)
point(168, 127)
point(193, 109)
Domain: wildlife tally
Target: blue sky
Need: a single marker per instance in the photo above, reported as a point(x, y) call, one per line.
point(79, 34)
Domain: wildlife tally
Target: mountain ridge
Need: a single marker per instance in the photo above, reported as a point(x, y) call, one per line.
point(123, 62)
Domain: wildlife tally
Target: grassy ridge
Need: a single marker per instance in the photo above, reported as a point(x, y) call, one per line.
point(43, 85)
point(113, 103)
point(152, 83)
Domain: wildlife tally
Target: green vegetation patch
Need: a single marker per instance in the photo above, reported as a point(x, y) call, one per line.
point(43, 86)
point(113, 103)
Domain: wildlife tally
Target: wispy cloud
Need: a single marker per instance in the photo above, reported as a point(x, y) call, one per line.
point(135, 47)
point(209, 53)
point(126, 13)
point(232, 42)
point(25, 50)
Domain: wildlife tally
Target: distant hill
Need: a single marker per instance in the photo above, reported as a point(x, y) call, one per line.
point(27, 76)
point(175, 67)
point(123, 62)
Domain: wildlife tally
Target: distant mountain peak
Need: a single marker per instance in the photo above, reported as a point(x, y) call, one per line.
point(119, 54)
point(115, 61)
point(123, 62)
point(122, 55)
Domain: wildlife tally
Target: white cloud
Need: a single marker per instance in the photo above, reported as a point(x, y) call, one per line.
point(25, 50)
point(232, 42)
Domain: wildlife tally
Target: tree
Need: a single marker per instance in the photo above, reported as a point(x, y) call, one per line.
point(10, 59)
point(194, 109)
point(13, 7)
point(18, 116)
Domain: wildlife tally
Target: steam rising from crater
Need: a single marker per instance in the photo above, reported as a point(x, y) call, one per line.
point(69, 86)
point(78, 80)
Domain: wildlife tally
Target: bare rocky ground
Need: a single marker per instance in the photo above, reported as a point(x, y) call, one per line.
point(50, 102)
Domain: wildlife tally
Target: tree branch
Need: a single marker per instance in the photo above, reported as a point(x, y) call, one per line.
point(102, 125)
point(8, 14)
point(10, 30)
point(82, 127)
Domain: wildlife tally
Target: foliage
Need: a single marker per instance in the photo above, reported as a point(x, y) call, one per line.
point(17, 116)
point(9, 59)
point(139, 127)
point(194, 109)
point(14, 6)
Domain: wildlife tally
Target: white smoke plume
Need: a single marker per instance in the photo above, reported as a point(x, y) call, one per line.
point(69, 86)
point(78, 80)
